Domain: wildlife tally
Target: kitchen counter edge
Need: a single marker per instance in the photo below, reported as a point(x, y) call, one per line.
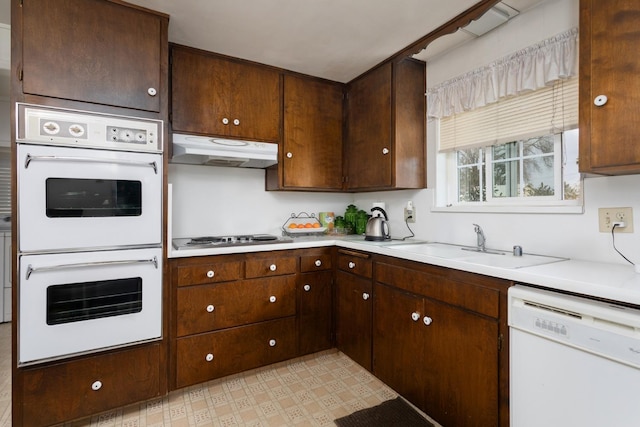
point(615, 282)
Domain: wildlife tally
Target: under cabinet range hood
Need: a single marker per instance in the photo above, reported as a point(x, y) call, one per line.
point(210, 151)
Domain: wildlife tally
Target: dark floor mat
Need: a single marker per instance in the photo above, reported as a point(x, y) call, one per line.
point(394, 413)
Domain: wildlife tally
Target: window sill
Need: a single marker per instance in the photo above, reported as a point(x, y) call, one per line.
point(567, 209)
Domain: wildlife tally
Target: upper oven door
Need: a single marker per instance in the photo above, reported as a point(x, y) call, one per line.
point(78, 199)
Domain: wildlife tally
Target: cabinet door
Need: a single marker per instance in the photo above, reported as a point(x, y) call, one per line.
point(312, 150)
point(398, 342)
point(368, 145)
point(610, 66)
point(92, 51)
point(353, 307)
point(314, 290)
point(460, 366)
point(219, 97)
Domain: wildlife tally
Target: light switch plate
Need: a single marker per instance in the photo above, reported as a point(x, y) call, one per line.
point(608, 216)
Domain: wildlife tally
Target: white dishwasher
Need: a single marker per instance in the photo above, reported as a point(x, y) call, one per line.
point(573, 361)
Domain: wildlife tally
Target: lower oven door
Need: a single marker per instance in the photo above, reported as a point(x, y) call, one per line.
point(88, 301)
point(79, 199)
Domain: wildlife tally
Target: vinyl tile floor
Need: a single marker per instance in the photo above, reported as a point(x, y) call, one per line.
point(312, 390)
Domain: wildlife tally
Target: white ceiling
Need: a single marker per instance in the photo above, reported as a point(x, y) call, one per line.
point(333, 39)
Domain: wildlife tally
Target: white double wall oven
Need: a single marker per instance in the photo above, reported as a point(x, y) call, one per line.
point(89, 192)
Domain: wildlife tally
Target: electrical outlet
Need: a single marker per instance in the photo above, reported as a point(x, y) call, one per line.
point(609, 216)
point(410, 215)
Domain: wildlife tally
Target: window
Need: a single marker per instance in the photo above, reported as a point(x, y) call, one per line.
point(535, 171)
point(521, 151)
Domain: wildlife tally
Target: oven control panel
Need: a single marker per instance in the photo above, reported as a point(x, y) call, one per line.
point(71, 128)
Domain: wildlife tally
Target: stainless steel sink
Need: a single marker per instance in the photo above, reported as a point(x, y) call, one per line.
point(490, 258)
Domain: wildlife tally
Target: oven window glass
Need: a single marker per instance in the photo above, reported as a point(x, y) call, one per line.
point(69, 197)
point(76, 302)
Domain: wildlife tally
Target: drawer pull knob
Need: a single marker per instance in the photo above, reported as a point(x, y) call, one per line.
point(307, 287)
point(96, 386)
point(208, 357)
point(427, 320)
point(415, 316)
point(365, 296)
point(210, 308)
point(236, 122)
point(152, 91)
point(272, 298)
point(210, 274)
point(273, 267)
point(225, 121)
point(289, 155)
point(272, 343)
point(318, 263)
point(385, 151)
point(600, 100)
point(352, 264)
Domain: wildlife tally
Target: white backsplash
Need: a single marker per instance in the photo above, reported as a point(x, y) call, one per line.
point(217, 201)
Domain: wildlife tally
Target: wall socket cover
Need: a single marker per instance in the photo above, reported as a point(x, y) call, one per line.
point(608, 216)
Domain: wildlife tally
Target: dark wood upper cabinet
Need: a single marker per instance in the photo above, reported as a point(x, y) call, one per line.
point(311, 157)
point(385, 146)
point(94, 51)
point(609, 66)
point(220, 96)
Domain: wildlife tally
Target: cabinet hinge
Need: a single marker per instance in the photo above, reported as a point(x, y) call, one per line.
point(500, 341)
point(345, 179)
point(20, 75)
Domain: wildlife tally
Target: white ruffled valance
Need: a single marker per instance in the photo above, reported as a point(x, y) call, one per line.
point(529, 69)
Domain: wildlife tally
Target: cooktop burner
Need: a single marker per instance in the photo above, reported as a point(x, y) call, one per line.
point(222, 241)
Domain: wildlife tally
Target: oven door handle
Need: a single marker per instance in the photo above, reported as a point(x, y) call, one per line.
point(31, 269)
point(29, 158)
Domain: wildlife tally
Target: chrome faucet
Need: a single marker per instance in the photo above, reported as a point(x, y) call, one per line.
point(481, 239)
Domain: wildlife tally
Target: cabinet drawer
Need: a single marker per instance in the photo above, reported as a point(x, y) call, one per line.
point(223, 305)
point(257, 267)
point(70, 390)
point(356, 263)
point(318, 262)
point(213, 272)
point(460, 293)
point(204, 357)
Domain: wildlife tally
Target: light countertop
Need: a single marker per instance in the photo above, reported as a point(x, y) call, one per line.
point(616, 282)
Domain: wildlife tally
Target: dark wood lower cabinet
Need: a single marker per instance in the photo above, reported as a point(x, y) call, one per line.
point(315, 320)
point(353, 311)
point(79, 388)
point(215, 354)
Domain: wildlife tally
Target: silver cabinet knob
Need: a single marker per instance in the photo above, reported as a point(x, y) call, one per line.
point(210, 274)
point(273, 267)
point(415, 316)
point(385, 150)
point(289, 155)
point(307, 288)
point(209, 357)
point(600, 100)
point(210, 308)
point(225, 121)
point(352, 264)
point(365, 296)
point(97, 385)
point(236, 122)
point(318, 263)
point(427, 320)
point(272, 343)
point(272, 298)
point(152, 91)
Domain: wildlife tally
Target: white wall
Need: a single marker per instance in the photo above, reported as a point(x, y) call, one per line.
point(216, 201)
point(225, 200)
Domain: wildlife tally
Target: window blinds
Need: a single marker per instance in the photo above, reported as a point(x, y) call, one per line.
point(549, 110)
